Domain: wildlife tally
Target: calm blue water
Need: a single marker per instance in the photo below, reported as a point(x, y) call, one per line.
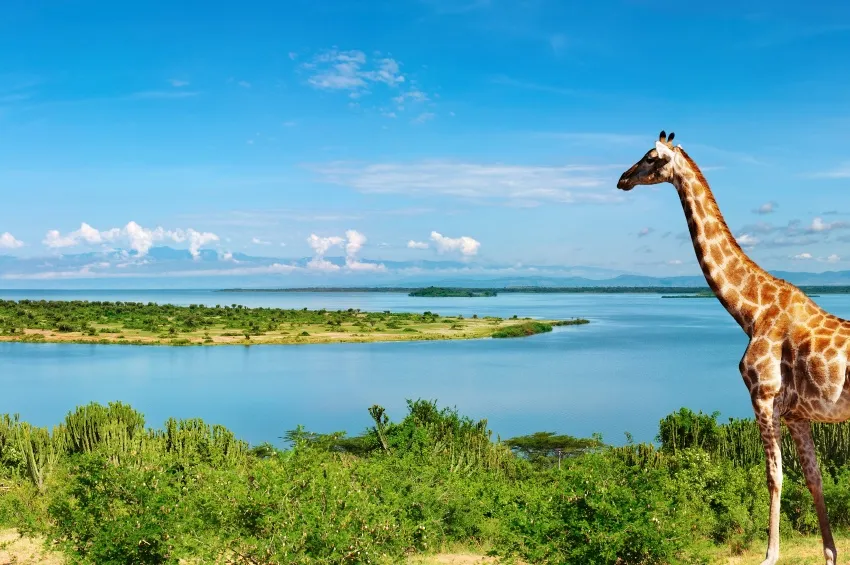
point(640, 358)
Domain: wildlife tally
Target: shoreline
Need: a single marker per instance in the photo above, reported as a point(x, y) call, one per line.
point(80, 339)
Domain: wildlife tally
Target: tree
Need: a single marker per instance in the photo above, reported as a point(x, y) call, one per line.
point(544, 445)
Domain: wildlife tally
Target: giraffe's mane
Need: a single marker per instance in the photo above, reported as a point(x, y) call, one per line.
point(724, 226)
point(694, 167)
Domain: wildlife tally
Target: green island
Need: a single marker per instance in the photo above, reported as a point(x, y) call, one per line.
point(102, 487)
point(451, 292)
point(158, 324)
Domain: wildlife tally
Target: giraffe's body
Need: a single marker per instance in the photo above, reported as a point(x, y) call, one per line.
point(795, 366)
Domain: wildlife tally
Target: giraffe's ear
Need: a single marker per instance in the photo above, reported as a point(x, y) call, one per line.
point(664, 151)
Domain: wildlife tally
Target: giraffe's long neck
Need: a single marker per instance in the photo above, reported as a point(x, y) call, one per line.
point(736, 280)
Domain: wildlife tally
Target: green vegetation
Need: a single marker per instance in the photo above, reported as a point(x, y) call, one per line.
point(443, 292)
point(147, 324)
point(524, 329)
point(106, 489)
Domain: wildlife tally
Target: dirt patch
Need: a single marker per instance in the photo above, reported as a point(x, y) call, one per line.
point(18, 550)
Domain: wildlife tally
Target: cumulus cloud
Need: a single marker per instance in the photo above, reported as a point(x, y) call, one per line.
point(352, 243)
point(513, 184)
point(140, 239)
point(802, 256)
point(355, 242)
point(747, 240)
point(818, 225)
point(322, 264)
point(464, 244)
point(86, 234)
point(833, 258)
point(197, 240)
point(417, 244)
point(321, 245)
point(766, 208)
point(258, 241)
point(8, 241)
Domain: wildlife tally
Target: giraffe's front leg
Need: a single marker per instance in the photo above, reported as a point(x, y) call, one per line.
point(801, 431)
point(768, 421)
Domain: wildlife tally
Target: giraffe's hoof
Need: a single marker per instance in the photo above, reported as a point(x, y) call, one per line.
point(829, 554)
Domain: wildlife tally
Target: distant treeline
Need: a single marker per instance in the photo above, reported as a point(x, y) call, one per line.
point(482, 291)
point(446, 292)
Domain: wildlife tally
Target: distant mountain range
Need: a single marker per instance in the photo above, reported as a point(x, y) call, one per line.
point(166, 267)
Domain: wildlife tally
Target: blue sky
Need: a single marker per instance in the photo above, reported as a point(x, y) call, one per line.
point(486, 132)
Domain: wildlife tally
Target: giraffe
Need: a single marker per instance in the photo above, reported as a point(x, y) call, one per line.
point(796, 362)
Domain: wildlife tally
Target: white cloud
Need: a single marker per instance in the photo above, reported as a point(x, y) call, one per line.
point(86, 234)
point(746, 240)
point(645, 232)
point(766, 208)
point(355, 242)
point(423, 117)
point(289, 124)
point(293, 55)
point(321, 264)
point(674, 262)
point(8, 241)
point(412, 95)
point(802, 256)
point(833, 258)
point(818, 225)
point(417, 244)
point(337, 70)
point(366, 267)
point(177, 83)
point(530, 184)
point(258, 241)
point(359, 75)
point(244, 84)
point(321, 244)
point(139, 238)
point(198, 240)
point(464, 244)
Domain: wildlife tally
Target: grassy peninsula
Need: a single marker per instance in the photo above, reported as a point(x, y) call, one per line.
point(157, 324)
point(102, 487)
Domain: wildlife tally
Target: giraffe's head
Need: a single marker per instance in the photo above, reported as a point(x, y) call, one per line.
point(655, 167)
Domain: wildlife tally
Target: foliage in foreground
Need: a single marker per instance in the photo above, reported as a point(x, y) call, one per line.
point(109, 490)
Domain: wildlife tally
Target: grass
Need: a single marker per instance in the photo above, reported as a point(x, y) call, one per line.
point(151, 324)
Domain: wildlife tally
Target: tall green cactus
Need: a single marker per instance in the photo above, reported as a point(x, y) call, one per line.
point(40, 451)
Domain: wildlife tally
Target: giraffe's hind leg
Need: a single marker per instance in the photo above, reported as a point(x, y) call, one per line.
point(801, 431)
